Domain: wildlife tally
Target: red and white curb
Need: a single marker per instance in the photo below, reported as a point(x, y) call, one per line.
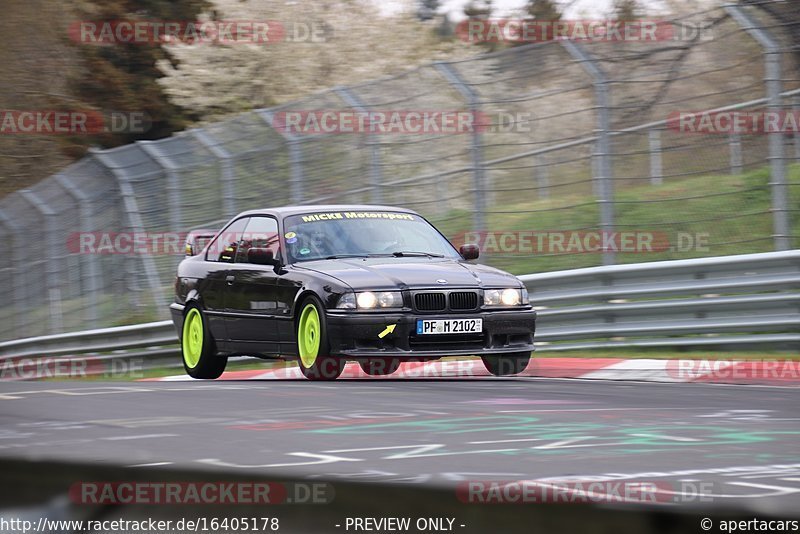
point(767, 372)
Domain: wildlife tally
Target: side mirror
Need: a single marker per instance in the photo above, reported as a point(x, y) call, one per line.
point(470, 251)
point(262, 256)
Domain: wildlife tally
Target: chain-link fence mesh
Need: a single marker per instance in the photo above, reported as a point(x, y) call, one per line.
point(571, 139)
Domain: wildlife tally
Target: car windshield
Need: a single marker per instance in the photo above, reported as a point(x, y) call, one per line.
point(342, 234)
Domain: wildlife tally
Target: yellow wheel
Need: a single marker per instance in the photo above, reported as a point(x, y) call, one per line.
point(200, 359)
point(313, 349)
point(309, 331)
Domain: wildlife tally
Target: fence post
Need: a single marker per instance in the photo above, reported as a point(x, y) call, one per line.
point(656, 164)
point(52, 267)
point(375, 156)
point(735, 147)
point(478, 171)
point(295, 157)
point(226, 168)
point(83, 202)
point(131, 208)
point(20, 273)
point(542, 176)
point(772, 76)
point(603, 167)
point(796, 137)
point(173, 183)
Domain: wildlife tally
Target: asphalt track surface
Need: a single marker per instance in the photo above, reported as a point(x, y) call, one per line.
point(728, 443)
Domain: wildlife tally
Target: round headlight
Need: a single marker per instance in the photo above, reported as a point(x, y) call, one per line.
point(389, 299)
point(491, 297)
point(367, 300)
point(510, 297)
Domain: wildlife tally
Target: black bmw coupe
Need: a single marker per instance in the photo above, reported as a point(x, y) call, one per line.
point(326, 284)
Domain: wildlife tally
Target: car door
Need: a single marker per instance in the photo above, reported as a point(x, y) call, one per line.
point(251, 298)
point(219, 258)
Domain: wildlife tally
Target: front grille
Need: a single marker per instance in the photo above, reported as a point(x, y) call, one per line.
point(463, 300)
point(430, 301)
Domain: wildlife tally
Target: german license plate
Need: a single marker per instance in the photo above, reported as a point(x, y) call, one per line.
point(449, 326)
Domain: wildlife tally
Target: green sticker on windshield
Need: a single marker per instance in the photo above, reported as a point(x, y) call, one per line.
point(304, 251)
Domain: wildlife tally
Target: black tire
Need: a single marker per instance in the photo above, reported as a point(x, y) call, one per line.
point(209, 365)
point(324, 366)
point(506, 364)
point(379, 366)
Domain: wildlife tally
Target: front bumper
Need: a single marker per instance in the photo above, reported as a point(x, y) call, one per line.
point(176, 313)
point(355, 334)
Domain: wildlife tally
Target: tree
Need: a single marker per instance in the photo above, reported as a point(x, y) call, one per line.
point(478, 10)
point(123, 77)
point(545, 10)
point(350, 41)
point(427, 9)
point(445, 28)
point(481, 10)
point(626, 10)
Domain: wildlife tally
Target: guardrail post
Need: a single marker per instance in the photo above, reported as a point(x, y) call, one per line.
point(602, 168)
point(52, 268)
point(131, 208)
point(375, 156)
point(735, 149)
point(90, 260)
point(293, 145)
point(20, 274)
point(656, 164)
point(773, 76)
point(227, 176)
point(478, 171)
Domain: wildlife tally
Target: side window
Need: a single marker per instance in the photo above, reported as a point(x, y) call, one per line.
point(223, 248)
point(261, 233)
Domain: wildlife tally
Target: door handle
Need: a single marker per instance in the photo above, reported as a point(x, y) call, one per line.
point(229, 279)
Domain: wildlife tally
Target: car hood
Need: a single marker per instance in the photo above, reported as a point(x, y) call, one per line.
point(411, 273)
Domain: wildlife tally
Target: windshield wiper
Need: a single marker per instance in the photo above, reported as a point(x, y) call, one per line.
point(398, 254)
point(403, 253)
point(338, 256)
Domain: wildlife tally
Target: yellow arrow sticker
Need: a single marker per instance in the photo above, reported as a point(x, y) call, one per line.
point(388, 330)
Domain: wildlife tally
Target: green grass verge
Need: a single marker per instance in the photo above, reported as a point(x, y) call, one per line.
point(733, 210)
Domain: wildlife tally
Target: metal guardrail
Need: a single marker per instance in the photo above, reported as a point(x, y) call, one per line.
point(730, 300)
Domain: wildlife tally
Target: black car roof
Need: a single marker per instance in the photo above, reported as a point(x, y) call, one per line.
point(285, 211)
